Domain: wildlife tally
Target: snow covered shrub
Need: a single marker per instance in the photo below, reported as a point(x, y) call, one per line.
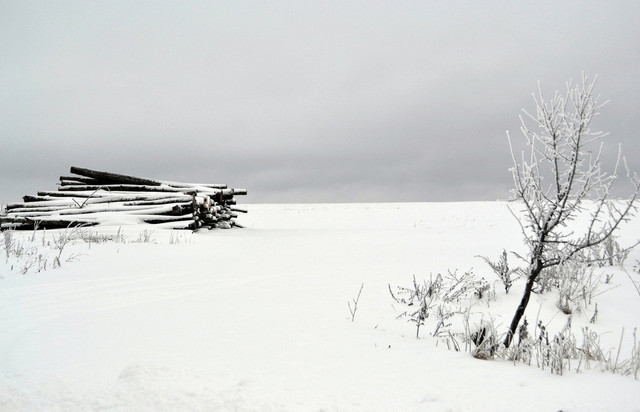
point(442, 331)
point(607, 253)
point(482, 289)
point(590, 350)
point(501, 268)
point(524, 349)
point(422, 294)
point(27, 255)
point(145, 236)
point(485, 340)
point(557, 353)
point(635, 355)
point(575, 280)
point(8, 242)
point(34, 258)
point(93, 236)
point(176, 238)
point(591, 355)
point(18, 249)
point(551, 278)
point(36, 224)
point(553, 353)
point(447, 295)
point(562, 349)
point(64, 238)
point(624, 367)
point(594, 318)
point(457, 287)
point(613, 252)
point(577, 286)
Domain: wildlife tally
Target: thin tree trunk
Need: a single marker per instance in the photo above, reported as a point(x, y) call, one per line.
point(535, 271)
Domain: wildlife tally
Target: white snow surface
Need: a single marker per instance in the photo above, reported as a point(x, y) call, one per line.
point(256, 319)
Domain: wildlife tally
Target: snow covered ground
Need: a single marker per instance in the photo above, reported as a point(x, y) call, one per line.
point(257, 319)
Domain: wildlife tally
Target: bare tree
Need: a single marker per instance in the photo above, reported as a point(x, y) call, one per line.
point(574, 211)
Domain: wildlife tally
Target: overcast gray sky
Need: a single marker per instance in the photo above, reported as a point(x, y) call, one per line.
point(300, 101)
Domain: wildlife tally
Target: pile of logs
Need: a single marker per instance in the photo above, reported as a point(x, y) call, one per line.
point(92, 197)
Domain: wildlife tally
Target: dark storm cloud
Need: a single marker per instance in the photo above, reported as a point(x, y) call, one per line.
point(329, 101)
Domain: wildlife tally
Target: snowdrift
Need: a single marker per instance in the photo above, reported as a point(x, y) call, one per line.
point(139, 318)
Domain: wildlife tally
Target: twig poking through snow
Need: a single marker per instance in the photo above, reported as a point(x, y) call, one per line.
point(354, 309)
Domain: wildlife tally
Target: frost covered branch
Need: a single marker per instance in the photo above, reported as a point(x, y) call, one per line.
point(353, 309)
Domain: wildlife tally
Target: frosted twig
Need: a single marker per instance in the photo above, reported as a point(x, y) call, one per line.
point(354, 309)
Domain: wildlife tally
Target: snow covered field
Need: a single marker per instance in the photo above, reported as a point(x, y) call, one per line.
point(257, 319)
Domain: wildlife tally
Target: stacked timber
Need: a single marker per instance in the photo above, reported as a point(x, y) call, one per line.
point(90, 197)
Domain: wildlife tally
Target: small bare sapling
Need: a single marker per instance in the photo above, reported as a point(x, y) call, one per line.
point(501, 268)
point(69, 235)
point(145, 236)
point(353, 309)
point(9, 243)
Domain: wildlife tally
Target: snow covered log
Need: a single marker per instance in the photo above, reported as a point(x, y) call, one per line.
point(119, 188)
point(113, 177)
point(25, 223)
point(95, 197)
